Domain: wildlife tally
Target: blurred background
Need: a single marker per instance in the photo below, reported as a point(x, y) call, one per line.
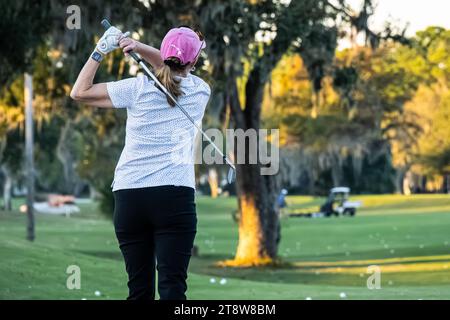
point(359, 91)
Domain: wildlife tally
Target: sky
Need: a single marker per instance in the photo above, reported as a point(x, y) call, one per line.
point(418, 13)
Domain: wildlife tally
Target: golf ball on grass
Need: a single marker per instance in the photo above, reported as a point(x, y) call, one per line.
point(97, 293)
point(212, 280)
point(223, 281)
point(342, 295)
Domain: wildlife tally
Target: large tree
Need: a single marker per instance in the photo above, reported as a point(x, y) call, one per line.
point(301, 26)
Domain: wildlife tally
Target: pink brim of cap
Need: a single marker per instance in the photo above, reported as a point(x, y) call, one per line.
point(182, 43)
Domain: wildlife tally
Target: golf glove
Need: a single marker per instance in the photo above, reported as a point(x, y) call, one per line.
point(109, 41)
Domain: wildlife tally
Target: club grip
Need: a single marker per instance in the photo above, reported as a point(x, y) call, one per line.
point(106, 24)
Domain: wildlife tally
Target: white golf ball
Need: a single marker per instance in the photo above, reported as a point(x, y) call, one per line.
point(223, 281)
point(342, 295)
point(212, 280)
point(308, 298)
point(97, 293)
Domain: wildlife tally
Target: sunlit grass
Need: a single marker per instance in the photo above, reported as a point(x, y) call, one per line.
point(445, 258)
point(385, 204)
point(393, 268)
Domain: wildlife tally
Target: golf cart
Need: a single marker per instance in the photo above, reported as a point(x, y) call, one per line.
point(338, 204)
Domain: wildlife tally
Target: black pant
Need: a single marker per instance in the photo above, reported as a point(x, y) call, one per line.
point(156, 222)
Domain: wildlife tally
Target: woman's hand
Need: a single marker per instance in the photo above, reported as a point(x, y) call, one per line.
point(109, 41)
point(128, 44)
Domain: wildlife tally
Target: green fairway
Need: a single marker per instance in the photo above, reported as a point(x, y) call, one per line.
point(407, 236)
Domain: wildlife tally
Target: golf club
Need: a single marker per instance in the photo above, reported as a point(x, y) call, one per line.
point(231, 176)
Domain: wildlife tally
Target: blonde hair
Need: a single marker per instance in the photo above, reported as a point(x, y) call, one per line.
point(166, 75)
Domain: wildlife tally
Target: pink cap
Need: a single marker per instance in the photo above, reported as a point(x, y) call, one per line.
point(182, 43)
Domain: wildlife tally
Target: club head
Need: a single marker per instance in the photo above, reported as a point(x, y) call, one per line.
point(231, 176)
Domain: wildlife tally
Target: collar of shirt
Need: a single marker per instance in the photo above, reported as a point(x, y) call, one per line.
point(186, 82)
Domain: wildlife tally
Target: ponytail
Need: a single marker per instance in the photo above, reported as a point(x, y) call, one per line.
point(166, 75)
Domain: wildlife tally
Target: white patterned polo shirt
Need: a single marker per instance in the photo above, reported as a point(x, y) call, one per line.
point(159, 142)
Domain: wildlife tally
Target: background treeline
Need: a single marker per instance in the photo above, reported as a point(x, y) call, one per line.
point(379, 122)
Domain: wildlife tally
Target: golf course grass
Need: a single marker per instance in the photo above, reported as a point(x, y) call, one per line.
point(408, 237)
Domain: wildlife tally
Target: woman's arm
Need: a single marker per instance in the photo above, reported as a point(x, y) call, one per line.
point(148, 53)
point(85, 91)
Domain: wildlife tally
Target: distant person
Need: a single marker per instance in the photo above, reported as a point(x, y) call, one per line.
point(282, 205)
point(282, 199)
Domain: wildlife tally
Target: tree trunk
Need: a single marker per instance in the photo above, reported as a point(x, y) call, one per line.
point(258, 224)
point(423, 184)
point(7, 186)
point(213, 181)
point(406, 183)
point(315, 105)
point(336, 174)
point(447, 183)
point(259, 231)
point(29, 155)
point(400, 181)
point(66, 158)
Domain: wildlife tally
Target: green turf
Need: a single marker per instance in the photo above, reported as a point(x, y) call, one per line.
point(408, 237)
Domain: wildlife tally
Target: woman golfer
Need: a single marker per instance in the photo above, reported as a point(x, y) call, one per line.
point(154, 217)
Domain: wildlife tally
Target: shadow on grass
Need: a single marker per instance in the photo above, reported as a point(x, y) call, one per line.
point(103, 254)
point(335, 272)
point(405, 252)
point(312, 271)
